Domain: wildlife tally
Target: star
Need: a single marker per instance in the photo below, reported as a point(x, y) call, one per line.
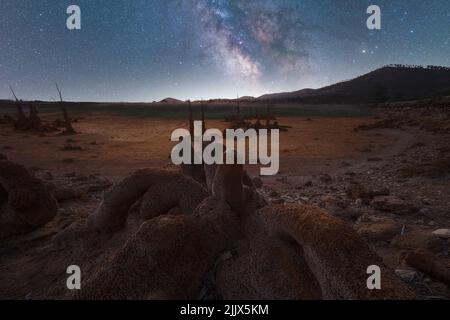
point(250, 45)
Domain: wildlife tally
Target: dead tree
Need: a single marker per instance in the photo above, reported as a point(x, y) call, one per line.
point(191, 121)
point(69, 129)
point(34, 119)
point(238, 111)
point(188, 168)
point(203, 117)
point(22, 121)
point(194, 170)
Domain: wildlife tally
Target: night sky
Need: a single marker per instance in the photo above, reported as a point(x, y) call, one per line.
point(145, 50)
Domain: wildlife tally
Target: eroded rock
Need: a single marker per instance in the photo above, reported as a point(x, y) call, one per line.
point(381, 230)
point(442, 233)
point(27, 202)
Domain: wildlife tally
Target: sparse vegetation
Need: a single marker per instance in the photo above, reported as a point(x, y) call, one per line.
point(68, 124)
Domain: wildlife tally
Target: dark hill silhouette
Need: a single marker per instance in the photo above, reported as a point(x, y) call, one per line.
point(247, 98)
point(171, 101)
point(288, 95)
point(390, 83)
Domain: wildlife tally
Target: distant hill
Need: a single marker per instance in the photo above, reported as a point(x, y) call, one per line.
point(171, 101)
point(247, 98)
point(288, 95)
point(390, 83)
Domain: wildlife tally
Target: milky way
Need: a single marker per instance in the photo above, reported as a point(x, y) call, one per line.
point(249, 40)
point(141, 50)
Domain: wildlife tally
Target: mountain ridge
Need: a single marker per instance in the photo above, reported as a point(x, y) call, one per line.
point(388, 83)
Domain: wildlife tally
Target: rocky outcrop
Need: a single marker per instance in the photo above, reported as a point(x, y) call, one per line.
point(277, 251)
point(324, 257)
point(26, 202)
point(429, 264)
point(161, 191)
point(168, 257)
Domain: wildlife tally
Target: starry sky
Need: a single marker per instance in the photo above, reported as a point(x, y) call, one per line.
point(145, 50)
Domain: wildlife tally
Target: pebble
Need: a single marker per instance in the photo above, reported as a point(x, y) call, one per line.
point(442, 233)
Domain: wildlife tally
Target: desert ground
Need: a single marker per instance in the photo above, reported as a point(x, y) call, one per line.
point(384, 175)
point(113, 146)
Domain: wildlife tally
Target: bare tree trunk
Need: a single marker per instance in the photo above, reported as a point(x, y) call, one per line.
point(238, 109)
point(69, 129)
point(203, 118)
point(22, 121)
point(191, 122)
point(35, 121)
point(187, 169)
point(194, 170)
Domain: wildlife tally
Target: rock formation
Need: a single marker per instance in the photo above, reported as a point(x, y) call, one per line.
point(26, 203)
point(273, 252)
point(159, 191)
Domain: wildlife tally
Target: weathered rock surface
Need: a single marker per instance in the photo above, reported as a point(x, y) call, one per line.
point(382, 230)
point(27, 203)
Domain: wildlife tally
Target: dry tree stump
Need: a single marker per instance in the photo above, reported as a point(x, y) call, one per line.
point(160, 191)
point(323, 256)
point(280, 252)
point(69, 130)
point(168, 256)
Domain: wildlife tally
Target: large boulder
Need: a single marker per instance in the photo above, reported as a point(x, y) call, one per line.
point(25, 200)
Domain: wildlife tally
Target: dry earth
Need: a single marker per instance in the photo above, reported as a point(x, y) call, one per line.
point(389, 182)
